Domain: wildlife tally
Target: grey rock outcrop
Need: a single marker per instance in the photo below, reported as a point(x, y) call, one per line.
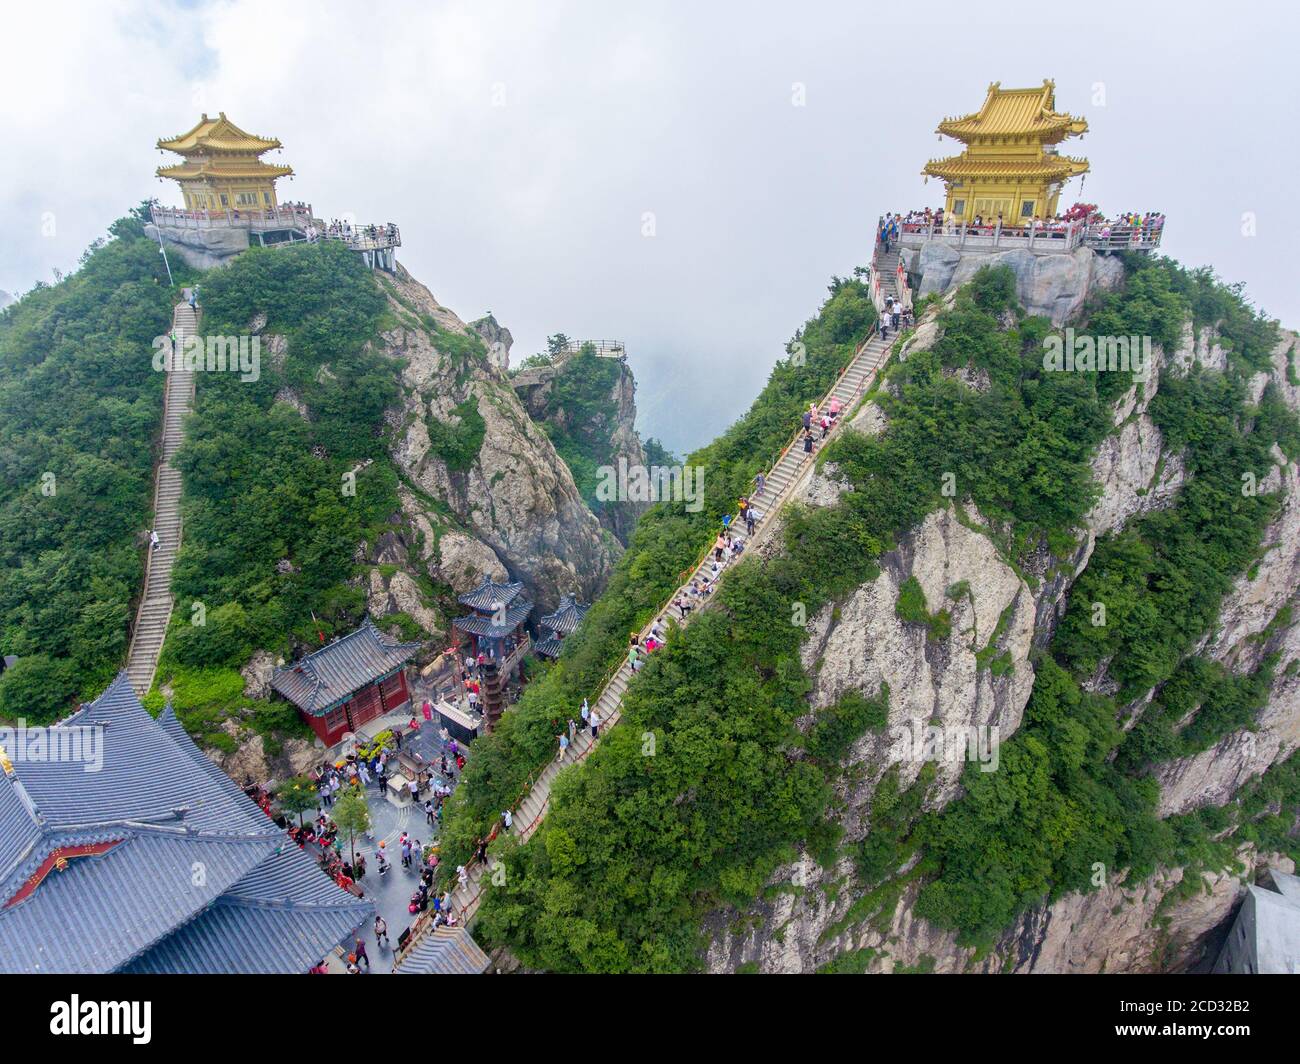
point(1118, 928)
point(498, 340)
point(535, 388)
point(516, 495)
point(1053, 284)
point(399, 593)
point(860, 644)
point(1256, 619)
point(201, 248)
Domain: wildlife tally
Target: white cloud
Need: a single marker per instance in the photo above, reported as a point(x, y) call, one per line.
point(533, 209)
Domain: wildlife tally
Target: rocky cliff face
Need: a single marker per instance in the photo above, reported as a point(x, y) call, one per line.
point(945, 680)
point(1254, 622)
point(1053, 284)
point(614, 425)
point(201, 248)
point(498, 339)
point(511, 507)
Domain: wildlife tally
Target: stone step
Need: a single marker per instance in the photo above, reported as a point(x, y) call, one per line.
point(787, 471)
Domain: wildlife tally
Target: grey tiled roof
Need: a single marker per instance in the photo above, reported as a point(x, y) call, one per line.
point(567, 618)
point(445, 951)
point(331, 674)
point(476, 625)
point(489, 593)
point(19, 830)
point(186, 843)
point(283, 916)
point(549, 647)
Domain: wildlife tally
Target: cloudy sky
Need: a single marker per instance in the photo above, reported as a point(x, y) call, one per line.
point(521, 146)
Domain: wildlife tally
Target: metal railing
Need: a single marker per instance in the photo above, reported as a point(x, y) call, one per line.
point(603, 348)
point(360, 237)
point(517, 655)
point(299, 220)
point(284, 217)
point(1101, 236)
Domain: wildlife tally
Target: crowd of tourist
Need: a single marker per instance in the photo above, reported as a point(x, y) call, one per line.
point(1135, 225)
point(299, 209)
point(343, 230)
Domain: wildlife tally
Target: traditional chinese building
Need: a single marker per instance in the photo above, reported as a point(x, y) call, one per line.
point(97, 867)
point(349, 682)
point(223, 169)
point(495, 631)
point(1010, 168)
point(555, 626)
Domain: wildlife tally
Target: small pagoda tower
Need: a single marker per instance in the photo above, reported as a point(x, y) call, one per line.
point(223, 169)
point(496, 635)
point(557, 625)
point(1010, 168)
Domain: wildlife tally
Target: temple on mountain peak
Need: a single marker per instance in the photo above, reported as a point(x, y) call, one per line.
point(223, 169)
point(1011, 169)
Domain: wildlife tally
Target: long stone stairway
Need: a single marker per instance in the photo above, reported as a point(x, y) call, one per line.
point(155, 608)
point(792, 469)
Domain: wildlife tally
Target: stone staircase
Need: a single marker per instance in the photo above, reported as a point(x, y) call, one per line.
point(887, 265)
point(155, 608)
point(789, 472)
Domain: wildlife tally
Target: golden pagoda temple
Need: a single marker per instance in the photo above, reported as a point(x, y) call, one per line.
point(1010, 167)
point(222, 169)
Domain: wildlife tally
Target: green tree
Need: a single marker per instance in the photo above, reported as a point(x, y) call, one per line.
point(38, 689)
point(296, 796)
point(352, 814)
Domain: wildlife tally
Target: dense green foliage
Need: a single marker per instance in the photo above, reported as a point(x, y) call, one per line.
point(1210, 699)
point(272, 510)
point(734, 676)
point(1162, 579)
point(1019, 449)
point(80, 406)
point(581, 417)
point(458, 442)
point(668, 540)
point(1057, 805)
point(839, 725)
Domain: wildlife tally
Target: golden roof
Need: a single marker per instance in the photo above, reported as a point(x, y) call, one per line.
point(223, 169)
point(1016, 113)
point(219, 135)
point(1044, 168)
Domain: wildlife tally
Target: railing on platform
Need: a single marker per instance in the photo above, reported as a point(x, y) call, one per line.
point(1100, 236)
point(299, 220)
point(603, 348)
point(517, 655)
point(283, 217)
